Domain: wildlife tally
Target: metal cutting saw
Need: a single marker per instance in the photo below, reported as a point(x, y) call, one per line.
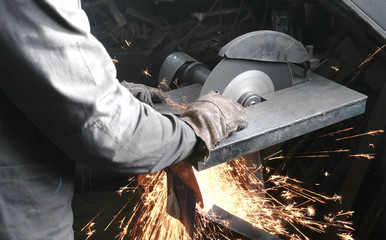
point(270, 74)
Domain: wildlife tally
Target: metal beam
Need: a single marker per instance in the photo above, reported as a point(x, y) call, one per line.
point(287, 114)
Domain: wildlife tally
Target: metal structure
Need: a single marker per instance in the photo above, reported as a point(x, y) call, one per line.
point(281, 102)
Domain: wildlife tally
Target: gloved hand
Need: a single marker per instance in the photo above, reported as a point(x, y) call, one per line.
point(144, 93)
point(213, 118)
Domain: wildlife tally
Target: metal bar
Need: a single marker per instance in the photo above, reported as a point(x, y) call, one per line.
point(287, 114)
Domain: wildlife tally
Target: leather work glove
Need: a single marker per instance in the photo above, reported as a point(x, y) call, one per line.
point(144, 93)
point(213, 118)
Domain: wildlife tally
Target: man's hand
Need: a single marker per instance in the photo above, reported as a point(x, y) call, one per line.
point(144, 93)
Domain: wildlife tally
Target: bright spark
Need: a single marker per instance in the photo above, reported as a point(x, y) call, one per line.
point(232, 187)
point(363, 155)
point(372, 133)
point(371, 56)
point(163, 83)
point(115, 60)
point(146, 73)
point(336, 132)
point(345, 236)
point(336, 68)
point(128, 43)
point(326, 174)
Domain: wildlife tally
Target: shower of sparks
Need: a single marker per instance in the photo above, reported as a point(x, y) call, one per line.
point(372, 133)
point(174, 105)
point(370, 57)
point(232, 187)
point(146, 72)
point(335, 68)
point(364, 155)
point(149, 219)
point(235, 189)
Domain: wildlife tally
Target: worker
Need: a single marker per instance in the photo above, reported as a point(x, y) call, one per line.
point(60, 103)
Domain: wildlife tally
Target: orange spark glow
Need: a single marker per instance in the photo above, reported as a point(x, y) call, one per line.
point(372, 133)
point(115, 60)
point(163, 83)
point(146, 73)
point(128, 43)
point(335, 68)
point(364, 155)
point(345, 236)
point(371, 56)
point(149, 218)
point(174, 105)
point(235, 189)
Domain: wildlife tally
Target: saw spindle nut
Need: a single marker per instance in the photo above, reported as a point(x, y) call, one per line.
point(249, 99)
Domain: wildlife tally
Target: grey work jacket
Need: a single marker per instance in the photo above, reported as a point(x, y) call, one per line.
point(60, 102)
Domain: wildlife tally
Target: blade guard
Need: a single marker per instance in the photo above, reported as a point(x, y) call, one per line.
point(265, 45)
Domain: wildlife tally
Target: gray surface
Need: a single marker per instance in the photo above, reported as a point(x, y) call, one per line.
point(266, 45)
point(170, 66)
point(370, 11)
point(287, 114)
point(228, 69)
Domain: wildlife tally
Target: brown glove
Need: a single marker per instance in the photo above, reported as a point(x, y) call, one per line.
point(213, 118)
point(144, 93)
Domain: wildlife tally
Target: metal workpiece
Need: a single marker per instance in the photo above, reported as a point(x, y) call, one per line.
point(266, 45)
point(238, 225)
point(287, 114)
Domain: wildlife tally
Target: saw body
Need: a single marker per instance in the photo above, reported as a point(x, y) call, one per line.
point(269, 74)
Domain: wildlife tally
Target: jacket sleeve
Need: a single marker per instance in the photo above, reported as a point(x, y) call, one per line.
point(64, 81)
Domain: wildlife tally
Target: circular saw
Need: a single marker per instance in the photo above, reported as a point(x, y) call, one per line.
point(247, 81)
point(253, 64)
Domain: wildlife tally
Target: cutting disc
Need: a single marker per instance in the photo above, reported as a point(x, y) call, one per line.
point(237, 78)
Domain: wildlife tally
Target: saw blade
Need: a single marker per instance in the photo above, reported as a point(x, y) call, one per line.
point(235, 77)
